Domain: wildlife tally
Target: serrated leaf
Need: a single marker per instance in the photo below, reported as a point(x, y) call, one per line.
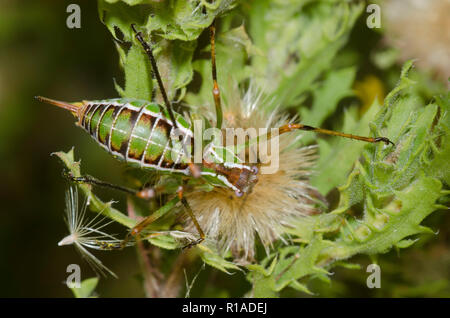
point(138, 81)
point(260, 269)
point(391, 185)
point(405, 243)
point(294, 263)
point(300, 287)
point(397, 194)
point(213, 259)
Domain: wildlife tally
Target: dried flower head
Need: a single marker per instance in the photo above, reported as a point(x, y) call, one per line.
point(85, 233)
point(420, 29)
point(276, 199)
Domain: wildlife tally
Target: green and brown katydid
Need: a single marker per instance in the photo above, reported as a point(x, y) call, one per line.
point(142, 133)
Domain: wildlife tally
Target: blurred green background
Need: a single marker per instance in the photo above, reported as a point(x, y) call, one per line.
point(39, 55)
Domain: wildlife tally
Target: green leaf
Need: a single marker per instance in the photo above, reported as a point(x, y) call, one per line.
point(305, 229)
point(336, 85)
point(233, 49)
point(293, 264)
point(405, 243)
point(86, 289)
point(170, 28)
point(260, 269)
point(138, 81)
point(300, 40)
point(184, 20)
point(341, 154)
point(390, 225)
point(95, 205)
point(211, 257)
point(175, 65)
point(440, 164)
point(165, 241)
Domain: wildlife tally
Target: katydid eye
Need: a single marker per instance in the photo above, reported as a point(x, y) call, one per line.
point(239, 193)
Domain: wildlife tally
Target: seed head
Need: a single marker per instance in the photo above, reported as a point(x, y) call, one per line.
point(275, 200)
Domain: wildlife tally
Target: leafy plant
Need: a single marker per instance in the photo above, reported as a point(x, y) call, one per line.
point(393, 188)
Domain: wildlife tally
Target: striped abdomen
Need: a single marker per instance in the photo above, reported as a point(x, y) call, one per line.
point(138, 132)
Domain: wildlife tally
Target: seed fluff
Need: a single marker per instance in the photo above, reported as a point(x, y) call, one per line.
point(85, 233)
